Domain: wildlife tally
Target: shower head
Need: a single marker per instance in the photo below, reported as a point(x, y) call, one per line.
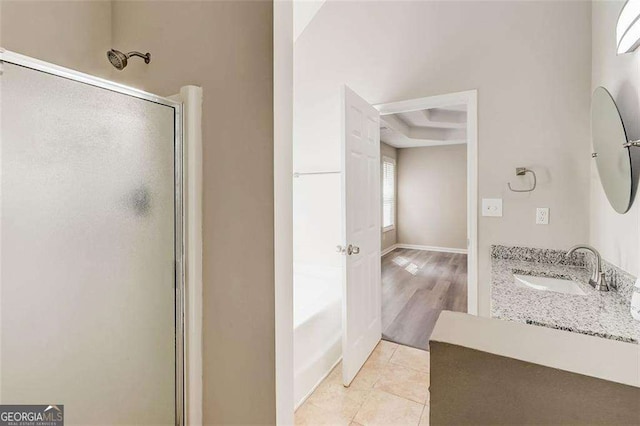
point(119, 60)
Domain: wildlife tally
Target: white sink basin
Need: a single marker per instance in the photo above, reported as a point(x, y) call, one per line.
point(557, 285)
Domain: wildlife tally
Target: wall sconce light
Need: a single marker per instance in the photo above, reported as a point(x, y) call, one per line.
point(628, 27)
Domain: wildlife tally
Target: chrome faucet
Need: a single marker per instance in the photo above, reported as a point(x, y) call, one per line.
point(597, 280)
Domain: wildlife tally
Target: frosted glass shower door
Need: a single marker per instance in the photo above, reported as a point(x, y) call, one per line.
point(87, 250)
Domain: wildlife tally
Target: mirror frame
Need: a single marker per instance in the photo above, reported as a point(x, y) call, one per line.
point(625, 145)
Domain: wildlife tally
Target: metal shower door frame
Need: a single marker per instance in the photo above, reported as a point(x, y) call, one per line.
point(55, 70)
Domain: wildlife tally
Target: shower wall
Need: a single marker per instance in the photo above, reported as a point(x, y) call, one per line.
point(225, 47)
point(73, 34)
point(317, 230)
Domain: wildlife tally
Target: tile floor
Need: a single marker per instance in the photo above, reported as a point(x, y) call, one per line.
point(392, 388)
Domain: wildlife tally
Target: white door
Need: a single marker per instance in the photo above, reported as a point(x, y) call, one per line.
point(361, 311)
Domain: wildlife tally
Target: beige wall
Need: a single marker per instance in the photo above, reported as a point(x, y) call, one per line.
point(531, 65)
point(225, 47)
point(389, 237)
point(432, 196)
point(616, 236)
point(75, 34)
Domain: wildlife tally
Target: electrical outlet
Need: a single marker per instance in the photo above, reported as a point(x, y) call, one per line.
point(542, 216)
point(492, 207)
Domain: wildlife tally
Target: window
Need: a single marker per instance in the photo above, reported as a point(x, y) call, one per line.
point(388, 193)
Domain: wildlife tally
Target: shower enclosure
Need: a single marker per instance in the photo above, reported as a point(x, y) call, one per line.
point(91, 283)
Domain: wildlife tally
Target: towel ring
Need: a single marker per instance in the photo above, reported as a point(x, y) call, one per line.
point(521, 171)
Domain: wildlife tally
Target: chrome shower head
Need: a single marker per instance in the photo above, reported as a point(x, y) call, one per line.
point(119, 60)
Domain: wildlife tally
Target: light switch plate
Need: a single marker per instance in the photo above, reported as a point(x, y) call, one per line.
point(492, 207)
point(542, 216)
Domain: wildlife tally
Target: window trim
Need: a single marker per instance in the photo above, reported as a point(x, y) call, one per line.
point(386, 159)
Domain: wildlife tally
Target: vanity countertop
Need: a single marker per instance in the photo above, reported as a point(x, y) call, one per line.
point(602, 314)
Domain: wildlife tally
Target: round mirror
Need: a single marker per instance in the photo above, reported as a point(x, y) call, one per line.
point(612, 159)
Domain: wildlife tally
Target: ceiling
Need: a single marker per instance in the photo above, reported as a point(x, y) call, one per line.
point(428, 127)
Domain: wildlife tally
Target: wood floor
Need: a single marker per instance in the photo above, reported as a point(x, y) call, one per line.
point(416, 286)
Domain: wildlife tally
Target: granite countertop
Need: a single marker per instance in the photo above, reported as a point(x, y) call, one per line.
point(602, 314)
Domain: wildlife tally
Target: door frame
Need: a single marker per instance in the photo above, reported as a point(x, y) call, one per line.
point(283, 207)
point(179, 230)
point(191, 98)
point(470, 99)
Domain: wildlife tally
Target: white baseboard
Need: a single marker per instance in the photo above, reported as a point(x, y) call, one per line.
point(303, 400)
point(426, 248)
point(389, 249)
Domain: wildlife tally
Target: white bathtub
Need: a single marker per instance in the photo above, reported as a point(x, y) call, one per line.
point(317, 320)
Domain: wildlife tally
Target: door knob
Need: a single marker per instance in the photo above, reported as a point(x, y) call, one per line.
point(348, 250)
